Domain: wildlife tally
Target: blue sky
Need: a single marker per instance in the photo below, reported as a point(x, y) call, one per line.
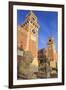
point(48, 22)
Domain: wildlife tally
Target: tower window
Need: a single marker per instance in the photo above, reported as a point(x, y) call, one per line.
point(33, 31)
point(33, 18)
point(49, 40)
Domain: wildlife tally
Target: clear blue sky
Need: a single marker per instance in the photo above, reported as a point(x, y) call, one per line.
point(48, 22)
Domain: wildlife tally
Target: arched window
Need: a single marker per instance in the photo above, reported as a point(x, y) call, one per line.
point(21, 45)
point(33, 32)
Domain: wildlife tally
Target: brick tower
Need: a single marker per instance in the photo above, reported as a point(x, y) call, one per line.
point(28, 36)
point(52, 55)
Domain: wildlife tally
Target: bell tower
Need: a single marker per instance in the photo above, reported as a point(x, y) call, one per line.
point(28, 36)
point(52, 55)
point(32, 39)
point(51, 49)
